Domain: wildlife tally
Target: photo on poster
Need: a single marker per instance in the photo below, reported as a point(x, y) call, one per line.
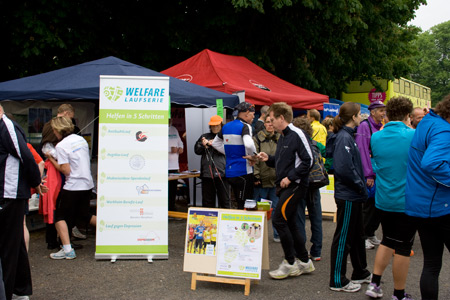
point(202, 232)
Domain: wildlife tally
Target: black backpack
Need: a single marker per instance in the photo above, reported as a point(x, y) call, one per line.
point(318, 176)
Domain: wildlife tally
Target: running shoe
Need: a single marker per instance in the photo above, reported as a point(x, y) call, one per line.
point(77, 234)
point(349, 288)
point(17, 297)
point(374, 240)
point(369, 245)
point(374, 291)
point(63, 255)
point(315, 258)
point(407, 297)
point(304, 268)
point(368, 279)
point(285, 270)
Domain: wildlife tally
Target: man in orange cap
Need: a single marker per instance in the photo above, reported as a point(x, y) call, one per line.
point(212, 169)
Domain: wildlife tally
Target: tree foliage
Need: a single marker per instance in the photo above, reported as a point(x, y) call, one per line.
point(433, 61)
point(319, 45)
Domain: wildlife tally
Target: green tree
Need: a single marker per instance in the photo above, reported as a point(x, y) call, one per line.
point(433, 61)
point(319, 45)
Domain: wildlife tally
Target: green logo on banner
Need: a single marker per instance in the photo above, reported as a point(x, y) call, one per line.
point(112, 93)
point(104, 130)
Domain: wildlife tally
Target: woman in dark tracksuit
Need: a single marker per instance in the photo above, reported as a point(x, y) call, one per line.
point(350, 194)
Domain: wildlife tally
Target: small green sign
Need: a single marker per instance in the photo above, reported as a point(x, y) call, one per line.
point(219, 103)
point(170, 108)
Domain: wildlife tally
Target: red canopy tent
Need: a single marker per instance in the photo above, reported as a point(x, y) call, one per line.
point(227, 73)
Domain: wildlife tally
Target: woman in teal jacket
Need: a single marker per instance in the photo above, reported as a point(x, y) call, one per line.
point(390, 148)
point(428, 192)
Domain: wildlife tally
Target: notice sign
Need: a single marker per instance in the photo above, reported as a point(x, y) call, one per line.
point(240, 245)
point(132, 187)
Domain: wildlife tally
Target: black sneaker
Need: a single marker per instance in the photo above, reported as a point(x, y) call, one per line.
point(77, 246)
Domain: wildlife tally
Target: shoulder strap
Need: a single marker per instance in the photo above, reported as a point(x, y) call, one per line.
point(370, 126)
point(315, 135)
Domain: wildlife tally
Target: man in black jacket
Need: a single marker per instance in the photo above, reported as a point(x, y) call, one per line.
point(293, 160)
point(19, 172)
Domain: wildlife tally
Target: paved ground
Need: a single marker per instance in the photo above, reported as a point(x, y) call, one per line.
point(87, 278)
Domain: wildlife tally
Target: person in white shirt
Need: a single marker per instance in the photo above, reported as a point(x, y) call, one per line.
point(175, 149)
point(72, 159)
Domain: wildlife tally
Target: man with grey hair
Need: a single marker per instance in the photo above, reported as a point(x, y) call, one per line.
point(259, 124)
point(416, 116)
point(363, 135)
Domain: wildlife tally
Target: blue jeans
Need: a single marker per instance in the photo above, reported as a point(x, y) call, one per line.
point(312, 202)
point(269, 194)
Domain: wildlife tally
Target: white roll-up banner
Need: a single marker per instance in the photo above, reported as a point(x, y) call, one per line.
point(132, 188)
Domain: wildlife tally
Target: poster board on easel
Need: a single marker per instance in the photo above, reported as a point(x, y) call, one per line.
point(240, 249)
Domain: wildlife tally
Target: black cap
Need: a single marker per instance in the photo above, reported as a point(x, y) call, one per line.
point(244, 107)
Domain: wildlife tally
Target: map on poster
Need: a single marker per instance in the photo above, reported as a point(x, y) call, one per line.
point(240, 245)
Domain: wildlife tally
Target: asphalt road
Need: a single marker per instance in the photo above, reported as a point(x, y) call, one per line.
point(87, 278)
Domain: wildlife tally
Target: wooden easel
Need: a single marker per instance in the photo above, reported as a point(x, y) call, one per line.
point(211, 278)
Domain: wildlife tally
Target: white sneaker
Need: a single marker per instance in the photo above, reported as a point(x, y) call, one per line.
point(374, 291)
point(17, 297)
point(285, 270)
point(63, 255)
point(368, 279)
point(305, 267)
point(76, 233)
point(374, 240)
point(369, 245)
point(350, 288)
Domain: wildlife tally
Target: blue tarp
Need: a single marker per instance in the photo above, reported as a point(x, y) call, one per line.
point(364, 107)
point(82, 82)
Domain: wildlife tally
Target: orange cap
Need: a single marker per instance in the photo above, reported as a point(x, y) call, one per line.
point(215, 120)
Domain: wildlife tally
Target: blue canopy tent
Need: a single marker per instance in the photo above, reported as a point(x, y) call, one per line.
point(79, 85)
point(81, 82)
